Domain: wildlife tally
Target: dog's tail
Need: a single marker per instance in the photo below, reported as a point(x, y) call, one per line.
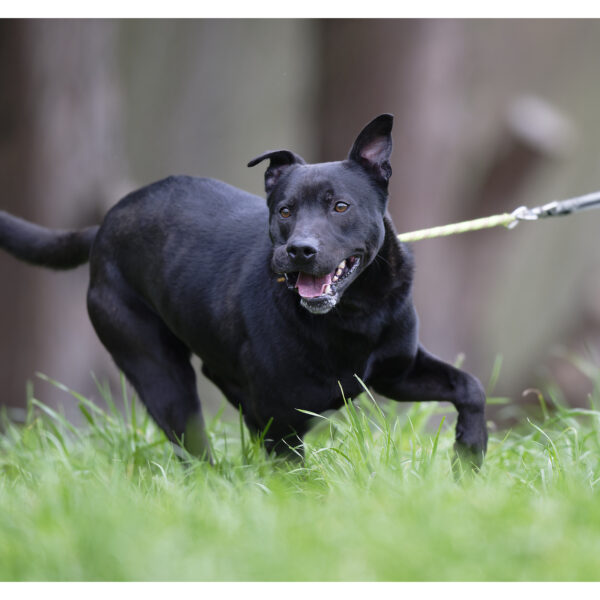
point(55, 249)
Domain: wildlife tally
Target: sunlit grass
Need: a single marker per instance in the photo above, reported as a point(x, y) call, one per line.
point(375, 498)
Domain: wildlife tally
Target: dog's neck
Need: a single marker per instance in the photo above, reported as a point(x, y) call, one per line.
point(391, 271)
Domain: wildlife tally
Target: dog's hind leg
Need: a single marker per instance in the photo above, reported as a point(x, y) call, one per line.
point(429, 378)
point(155, 362)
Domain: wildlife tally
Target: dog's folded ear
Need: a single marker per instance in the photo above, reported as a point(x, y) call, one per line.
point(281, 160)
point(373, 148)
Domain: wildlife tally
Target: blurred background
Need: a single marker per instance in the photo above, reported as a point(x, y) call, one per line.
point(488, 115)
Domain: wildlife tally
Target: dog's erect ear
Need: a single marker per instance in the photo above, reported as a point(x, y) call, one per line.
point(281, 160)
point(373, 148)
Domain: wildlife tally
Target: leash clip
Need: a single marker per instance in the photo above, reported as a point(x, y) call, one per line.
point(522, 213)
point(552, 209)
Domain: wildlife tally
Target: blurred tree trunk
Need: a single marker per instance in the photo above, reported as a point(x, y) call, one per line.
point(59, 161)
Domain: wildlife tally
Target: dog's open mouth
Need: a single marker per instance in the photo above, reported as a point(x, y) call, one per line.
point(320, 294)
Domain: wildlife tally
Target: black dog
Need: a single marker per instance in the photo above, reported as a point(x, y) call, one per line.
point(281, 301)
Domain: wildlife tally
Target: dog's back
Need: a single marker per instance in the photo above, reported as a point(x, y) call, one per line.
point(179, 226)
point(189, 248)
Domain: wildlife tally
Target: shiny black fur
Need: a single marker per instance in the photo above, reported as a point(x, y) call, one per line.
point(192, 265)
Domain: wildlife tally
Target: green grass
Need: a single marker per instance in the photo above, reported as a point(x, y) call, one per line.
point(375, 499)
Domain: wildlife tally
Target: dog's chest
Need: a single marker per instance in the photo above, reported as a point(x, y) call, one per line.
point(307, 367)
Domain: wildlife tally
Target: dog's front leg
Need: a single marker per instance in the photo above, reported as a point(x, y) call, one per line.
point(429, 378)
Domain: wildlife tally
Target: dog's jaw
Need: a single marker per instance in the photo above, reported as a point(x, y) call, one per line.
point(319, 306)
point(336, 283)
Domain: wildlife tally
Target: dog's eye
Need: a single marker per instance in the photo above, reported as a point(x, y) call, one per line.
point(340, 207)
point(285, 212)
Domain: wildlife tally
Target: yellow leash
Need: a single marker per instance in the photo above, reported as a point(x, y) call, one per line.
point(509, 220)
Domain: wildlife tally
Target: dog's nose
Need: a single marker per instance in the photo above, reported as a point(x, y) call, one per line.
point(302, 250)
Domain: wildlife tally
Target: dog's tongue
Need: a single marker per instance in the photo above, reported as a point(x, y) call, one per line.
point(310, 286)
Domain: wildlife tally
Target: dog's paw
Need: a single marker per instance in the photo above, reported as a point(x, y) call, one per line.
point(470, 448)
point(467, 459)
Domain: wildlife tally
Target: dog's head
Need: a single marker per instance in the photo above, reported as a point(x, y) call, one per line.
point(326, 219)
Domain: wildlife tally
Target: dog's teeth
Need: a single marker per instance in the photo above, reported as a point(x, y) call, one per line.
point(334, 278)
point(342, 265)
point(327, 289)
point(339, 271)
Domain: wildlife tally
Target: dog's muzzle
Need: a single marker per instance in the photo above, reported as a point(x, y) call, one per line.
point(319, 294)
